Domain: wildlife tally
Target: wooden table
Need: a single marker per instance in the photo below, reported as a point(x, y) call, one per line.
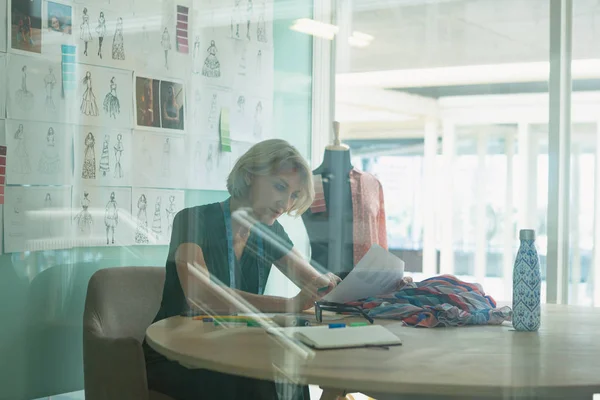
point(562, 360)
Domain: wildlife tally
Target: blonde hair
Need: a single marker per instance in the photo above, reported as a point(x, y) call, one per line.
point(270, 157)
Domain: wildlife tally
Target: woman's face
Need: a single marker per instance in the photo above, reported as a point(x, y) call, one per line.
point(55, 24)
point(272, 195)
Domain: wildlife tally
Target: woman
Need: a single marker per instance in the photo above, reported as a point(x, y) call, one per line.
point(101, 31)
point(85, 33)
point(22, 165)
point(118, 47)
point(89, 158)
point(111, 218)
point(170, 110)
point(165, 42)
point(269, 180)
point(88, 100)
point(50, 160)
point(111, 101)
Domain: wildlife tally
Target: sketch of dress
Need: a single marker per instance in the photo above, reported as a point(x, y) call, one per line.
point(23, 96)
point(49, 82)
point(50, 160)
point(248, 18)
point(111, 218)
point(212, 67)
point(258, 120)
point(241, 103)
point(84, 218)
point(259, 64)
point(104, 157)
point(197, 57)
point(89, 158)
point(213, 114)
point(236, 17)
point(166, 159)
point(101, 31)
point(141, 231)
point(118, 49)
point(261, 27)
point(47, 217)
point(111, 101)
point(118, 153)
point(209, 158)
point(88, 100)
point(84, 30)
point(156, 222)
point(22, 165)
point(170, 210)
point(165, 42)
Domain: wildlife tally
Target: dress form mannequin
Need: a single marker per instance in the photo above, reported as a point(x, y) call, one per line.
point(331, 232)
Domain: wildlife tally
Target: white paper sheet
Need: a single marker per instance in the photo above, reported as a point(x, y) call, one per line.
point(159, 160)
point(34, 89)
point(101, 216)
point(253, 121)
point(154, 211)
point(209, 167)
point(36, 218)
point(207, 110)
point(38, 153)
point(103, 157)
point(114, 26)
point(378, 272)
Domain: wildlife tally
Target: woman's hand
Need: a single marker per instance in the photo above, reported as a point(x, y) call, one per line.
point(314, 291)
point(402, 283)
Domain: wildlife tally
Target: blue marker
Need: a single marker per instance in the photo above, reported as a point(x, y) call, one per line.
point(333, 326)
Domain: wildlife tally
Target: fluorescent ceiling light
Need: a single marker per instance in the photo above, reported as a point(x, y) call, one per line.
point(359, 39)
point(315, 28)
point(465, 75)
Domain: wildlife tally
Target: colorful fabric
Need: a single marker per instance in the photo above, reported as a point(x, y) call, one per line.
point(368, 211)
point(439, 301)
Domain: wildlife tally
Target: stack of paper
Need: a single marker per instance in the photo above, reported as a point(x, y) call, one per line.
point(378, 272)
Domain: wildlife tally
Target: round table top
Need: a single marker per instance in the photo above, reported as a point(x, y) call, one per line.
point(562, 359)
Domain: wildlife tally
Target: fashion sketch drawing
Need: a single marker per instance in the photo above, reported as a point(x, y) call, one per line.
point(261, 27)
point(258, 120)
point(111, 218)
point(23, 96)
point(118, 46)
point(88, 100)
point(105, 156)
point(141, 231)
point(157, 222)
point(197, 57)
point(170, 210)
point(166, 159)
point(22, 165)
point(50, 160)
point(111, 101)
point(118, 154)
point(49, 83)
point(47, 217)
point(213, 114)
point(84, 30)
point(165, 42)
point(101, 31)
point(236, 17)
point(248, 18)
point(84, 218)
point(89, 158)
point(212, 67)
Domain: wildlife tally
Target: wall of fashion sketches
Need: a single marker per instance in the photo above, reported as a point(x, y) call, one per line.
point(116, 115)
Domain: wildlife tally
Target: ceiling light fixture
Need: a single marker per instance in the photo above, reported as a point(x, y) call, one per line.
point(315, 28)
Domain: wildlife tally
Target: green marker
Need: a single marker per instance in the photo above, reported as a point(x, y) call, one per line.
point(359, 324)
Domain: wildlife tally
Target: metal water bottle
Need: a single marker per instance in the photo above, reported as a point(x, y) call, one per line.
point(527, 281)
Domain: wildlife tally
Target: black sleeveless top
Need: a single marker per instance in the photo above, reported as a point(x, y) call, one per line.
point(205, 226)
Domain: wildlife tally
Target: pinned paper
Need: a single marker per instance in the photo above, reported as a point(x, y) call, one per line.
point(224, 131)
point(68, 66)
point(182, 29)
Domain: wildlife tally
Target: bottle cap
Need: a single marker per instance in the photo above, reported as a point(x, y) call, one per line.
point(527, 234)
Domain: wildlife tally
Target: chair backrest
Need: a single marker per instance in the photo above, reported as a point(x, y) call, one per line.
point(120, 305)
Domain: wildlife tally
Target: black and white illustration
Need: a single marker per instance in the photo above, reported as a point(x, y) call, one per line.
point(210, 166)
point(165, 43)
point(198, 56)
point(258, 120)
point(241, 104)
point(241, 70)
point(32, 89)
point(237, 20)
point(154, 211)
point(23, 96)
point(111, 101)
point(212, 66)
point(103, 156)
point(85, 34)
point(102, 216)
point(49, 84)
point(88, 170)
point(88, 100)
point(111, 218)
point(214, 100)
point(261, 26)
point(50, 160)
point(213, 114)
point(37, 218)
point(118, 44)
point(158, 160)
point(255, 123)
point(249, 11)
point(35, 153)
point(101, 32)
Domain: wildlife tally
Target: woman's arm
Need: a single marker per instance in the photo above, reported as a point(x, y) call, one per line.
point(203, 294)
point(298, 270)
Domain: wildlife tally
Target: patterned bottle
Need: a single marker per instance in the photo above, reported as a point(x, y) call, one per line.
point(527, 282)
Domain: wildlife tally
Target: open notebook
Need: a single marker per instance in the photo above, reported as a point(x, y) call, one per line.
point(342, 338)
